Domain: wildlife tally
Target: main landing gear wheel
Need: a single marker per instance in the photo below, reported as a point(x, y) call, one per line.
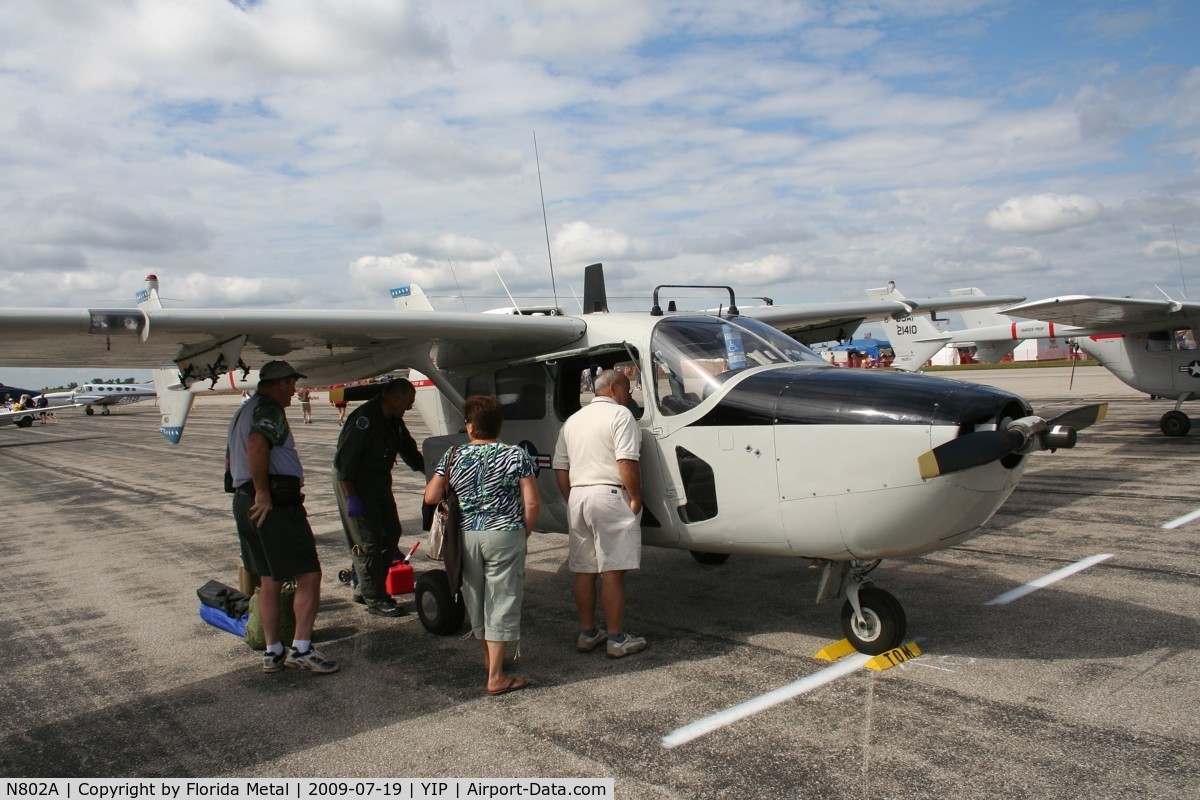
point(883, 625)
point(24, 422)
point(709, 558)
point(436, 606)
point(1175, 423)
point(89, 411)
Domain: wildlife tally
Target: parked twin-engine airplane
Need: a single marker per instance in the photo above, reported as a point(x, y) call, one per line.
point(103, 396)
point(1149, 345)
point(751, 442)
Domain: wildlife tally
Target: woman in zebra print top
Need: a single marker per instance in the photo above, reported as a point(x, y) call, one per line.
point(498, 494)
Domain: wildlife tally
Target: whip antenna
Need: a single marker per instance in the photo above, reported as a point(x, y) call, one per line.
point(1178, 255)
point(545, 222)
point(456, 286)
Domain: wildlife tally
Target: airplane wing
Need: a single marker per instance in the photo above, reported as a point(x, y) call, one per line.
point(822, 322)
point(333, 345)
point(1124, 314)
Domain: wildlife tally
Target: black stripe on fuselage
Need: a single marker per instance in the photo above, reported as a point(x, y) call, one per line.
point(835, 396)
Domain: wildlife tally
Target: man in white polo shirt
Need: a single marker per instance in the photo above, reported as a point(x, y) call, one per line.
point(596, 467)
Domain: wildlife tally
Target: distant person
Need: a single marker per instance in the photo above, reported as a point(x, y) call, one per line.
point(498, 495)
point(597, 470)
point(340, 405)
point(362, 482)
point(268, 506)
point(305, 395)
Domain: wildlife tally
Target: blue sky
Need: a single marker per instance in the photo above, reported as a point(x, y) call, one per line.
point(296, 153)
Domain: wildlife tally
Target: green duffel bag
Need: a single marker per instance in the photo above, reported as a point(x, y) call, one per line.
point(287, 619)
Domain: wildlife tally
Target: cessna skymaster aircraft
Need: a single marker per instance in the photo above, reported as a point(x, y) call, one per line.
point(751, 442)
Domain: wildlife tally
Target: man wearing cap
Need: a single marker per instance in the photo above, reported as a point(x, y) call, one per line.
point(268, 507)
point(374, 434)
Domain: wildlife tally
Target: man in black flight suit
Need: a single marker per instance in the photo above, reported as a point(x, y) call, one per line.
point(374, 434)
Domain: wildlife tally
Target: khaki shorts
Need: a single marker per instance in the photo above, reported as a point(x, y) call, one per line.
point(605, 535)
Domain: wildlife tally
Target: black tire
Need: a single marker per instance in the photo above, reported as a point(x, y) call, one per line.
point(712, 559)
point(89, 410)
point(440, 613)
point(1175, 423)
point(24, 422)
point(886, 623)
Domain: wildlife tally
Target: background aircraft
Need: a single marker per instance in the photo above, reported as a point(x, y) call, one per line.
point(751, 442)
point(1150, 345)
point(102, 396)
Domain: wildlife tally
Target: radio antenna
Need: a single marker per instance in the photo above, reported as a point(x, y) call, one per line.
point(545, 222)
point(456, 286)
point(511, 299)
point(1179, 255)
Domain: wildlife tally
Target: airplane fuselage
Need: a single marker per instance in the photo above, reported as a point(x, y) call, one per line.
point(1157, 363)
point(748, 452)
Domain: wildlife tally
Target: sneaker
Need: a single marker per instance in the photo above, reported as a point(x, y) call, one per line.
point(358, 598)
point(586, 644)
point(628, 645)
point(388, 608)
point(312, 660)
point(273, 662)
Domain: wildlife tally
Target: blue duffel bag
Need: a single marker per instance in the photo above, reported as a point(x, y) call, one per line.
point(218, 618)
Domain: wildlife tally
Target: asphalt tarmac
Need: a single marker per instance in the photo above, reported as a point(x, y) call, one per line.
point(1085, 688)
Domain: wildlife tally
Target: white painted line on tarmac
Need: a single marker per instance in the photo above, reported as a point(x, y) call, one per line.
point(1053, 577)
point(1184, 520)
point(719, 720)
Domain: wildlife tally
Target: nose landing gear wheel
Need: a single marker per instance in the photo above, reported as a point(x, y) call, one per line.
point(883, 625)
point(1175, 423)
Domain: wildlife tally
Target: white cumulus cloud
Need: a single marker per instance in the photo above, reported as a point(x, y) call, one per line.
point(1044, 213)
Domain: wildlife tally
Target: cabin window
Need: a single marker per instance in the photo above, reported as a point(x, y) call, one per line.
point(700, 486)
point(1164, 341)
point(480, 383)
point(522, 391)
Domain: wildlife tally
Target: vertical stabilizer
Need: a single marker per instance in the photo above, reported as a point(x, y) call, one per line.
point(148, 297)
point(410, 297)
point(595, 299)
point(174, 403)
point(976, 319)
point(914, 338)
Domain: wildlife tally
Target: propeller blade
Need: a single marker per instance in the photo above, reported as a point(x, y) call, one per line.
point(972, 450)
point(1082, 417)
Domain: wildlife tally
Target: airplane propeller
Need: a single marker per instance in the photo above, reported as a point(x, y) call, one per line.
point(1022, 435)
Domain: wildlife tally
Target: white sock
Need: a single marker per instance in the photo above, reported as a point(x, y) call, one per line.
point(302, 645)
point(275, 648)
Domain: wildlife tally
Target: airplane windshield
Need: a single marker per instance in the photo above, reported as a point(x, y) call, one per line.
point(695, 355)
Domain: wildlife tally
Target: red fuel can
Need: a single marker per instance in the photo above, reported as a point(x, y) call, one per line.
point(399, 578)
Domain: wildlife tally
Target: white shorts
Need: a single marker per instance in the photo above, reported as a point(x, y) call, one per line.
point(605, 535)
